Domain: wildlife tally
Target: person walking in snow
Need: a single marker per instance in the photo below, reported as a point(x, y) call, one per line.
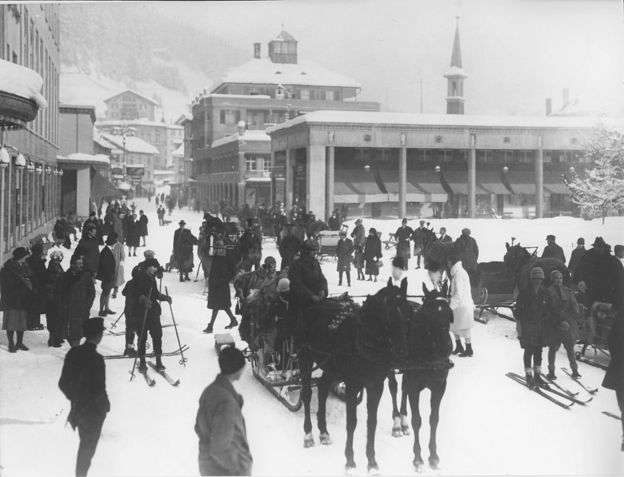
point(531, 312)
point(344, 252)
point(359, 238)
point(419, 236)
point(161, 215)
point(106, 275)
point(462, 305)
point(403, 236)
point(372, 254)
point(614, 377)
point(183, 241)
point(83, 382)
point(561, 326)
point(15, 296)
point(143, 227)
point(222, 271)
point(119, 253)
point(220, 426)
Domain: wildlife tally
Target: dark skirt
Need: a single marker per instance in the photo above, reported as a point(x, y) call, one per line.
point(219, 295)
point(358, 259)
point(372, 268)
point(15, 320)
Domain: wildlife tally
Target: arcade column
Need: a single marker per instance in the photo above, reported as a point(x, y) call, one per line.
point(315, 175)
point(403, 183)
point(242, 166)
point(472, 177)
point(288, 194)
point(329, 186)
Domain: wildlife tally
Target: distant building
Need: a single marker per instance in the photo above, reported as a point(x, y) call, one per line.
point(134, 161)
point(265, 91)
point(164, 137)
point(129, 105)
point(29, 38)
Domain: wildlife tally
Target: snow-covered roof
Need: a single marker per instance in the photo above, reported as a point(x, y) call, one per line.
point(23, 82)
point(237, 96)
point(133, 92)
point(284, 36)
point(249, 135)
point(135, 122)
point(82, 158)
point(459, 120)
point(133, 144)
point(163, 172)
point(308, 73)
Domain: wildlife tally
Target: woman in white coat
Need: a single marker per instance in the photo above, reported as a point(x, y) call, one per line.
point(120, 257)
point(462, 306)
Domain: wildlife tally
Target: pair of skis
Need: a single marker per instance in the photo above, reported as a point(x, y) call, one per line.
point(579, 382)
point(148, 355)
point(561, 397)
point(151, 381)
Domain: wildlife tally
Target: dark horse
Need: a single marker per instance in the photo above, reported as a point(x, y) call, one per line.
point(519, 261)
point(358, 346)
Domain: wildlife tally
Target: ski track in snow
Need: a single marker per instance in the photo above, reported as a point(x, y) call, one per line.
point(488, 425)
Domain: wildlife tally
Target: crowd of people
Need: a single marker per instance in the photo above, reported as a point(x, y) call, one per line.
point(546, 316)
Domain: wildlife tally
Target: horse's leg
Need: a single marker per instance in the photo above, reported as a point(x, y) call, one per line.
point(405, 427)
point(351, 393)
point(373, 396)
point(437, 392)
point(413, 391)
point(396, 418)
point(305, 366)
point(323, 391)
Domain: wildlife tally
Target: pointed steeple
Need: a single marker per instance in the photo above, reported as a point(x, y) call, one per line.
point(456, 59)
point(455, 76)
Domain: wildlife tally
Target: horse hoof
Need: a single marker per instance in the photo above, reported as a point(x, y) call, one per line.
point(418, 466)
point(350, 470)
point(434, 463)
point(325, 439)
point(308, 441)
point(396, 432)
point(373, 470)
point(405, 430)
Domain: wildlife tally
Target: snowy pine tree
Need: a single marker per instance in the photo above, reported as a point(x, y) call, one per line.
point(600, 188)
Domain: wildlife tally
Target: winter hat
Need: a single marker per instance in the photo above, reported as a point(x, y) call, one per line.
point(283, 286)
point(149, 254)
point(550, 237)
point(269, 260)
point(19, 253)
point(311, 245)
point(36, 249)
point(151, 262)
point(181, 222)
point(555, 273)
point(93, 327)
point(536, 272)
point(57, 255)
point(599, 242)
point(231, 360)
point(580, 241)
point(466, 231)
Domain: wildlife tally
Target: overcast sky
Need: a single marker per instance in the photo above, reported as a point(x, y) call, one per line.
point(516, 52)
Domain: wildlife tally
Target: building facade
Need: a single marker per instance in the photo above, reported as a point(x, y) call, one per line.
point(164, 137)
point(399, 164)
point(265, 91)
point(129, 105)
point(29, 36)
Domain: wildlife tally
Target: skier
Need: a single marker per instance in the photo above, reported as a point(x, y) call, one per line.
point(531, 312)
point(403, 236)
point(344, 252)
point(561, 327)
point(552, 250)
point(147, 299)
point(462, 305)
point(83, 382)
point(220, 426)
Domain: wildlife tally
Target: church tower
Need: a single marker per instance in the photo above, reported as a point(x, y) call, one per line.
point(455, 76)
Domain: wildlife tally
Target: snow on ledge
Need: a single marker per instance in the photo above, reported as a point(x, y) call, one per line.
point(22, 82)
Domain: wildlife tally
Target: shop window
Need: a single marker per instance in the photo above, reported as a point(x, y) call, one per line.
point(251, 163)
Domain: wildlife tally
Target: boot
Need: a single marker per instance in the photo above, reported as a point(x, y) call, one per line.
point(129, 351)
point(458, 347)
point(529, 380)
point(208, 329)
point(159, 365)
point(575, 374)
point(233, 324)
point(551, 375)
point(12, 348)
point(142, 365)
point(537, 379)
point(181, 277)
point(19, 344)
point(468, 353)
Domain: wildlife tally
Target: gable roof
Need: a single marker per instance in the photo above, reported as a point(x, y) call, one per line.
point(284, 36)
point(133, 144)
point(264, 71)
point(136, 93)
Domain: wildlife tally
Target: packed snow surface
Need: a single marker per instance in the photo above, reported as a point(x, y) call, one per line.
point(489, 424)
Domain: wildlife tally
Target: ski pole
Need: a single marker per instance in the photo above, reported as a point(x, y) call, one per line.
point(200, 265)
point(118, 318)
point(136, 356)
point(183, 360)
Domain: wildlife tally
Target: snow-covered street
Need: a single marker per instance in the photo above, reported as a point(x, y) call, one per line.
point(489, 424)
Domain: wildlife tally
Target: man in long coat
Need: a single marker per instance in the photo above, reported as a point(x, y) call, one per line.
point(89, 248)
point(289, 247)
point(344, 252)
point(552, 250)
point(106, 274)
point(183, 241)
point(75, 295)
point(403, 236)
point(467, 248)
point(308, 285)
point(575, 259)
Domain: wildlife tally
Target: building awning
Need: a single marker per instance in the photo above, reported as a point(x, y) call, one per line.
point(357, 186)
point(429, 183)
point(458, 182)
point(522, 182)
point(102, 188)
point(492, 181)
point(553, 182)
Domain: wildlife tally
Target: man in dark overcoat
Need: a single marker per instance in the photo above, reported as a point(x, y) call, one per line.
point(183, 241)
point(308, 285)
point(553, 250)
point(89, 248)
point(403, 236)
point(106, 274)
point(83, 382)
point(75, 294)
